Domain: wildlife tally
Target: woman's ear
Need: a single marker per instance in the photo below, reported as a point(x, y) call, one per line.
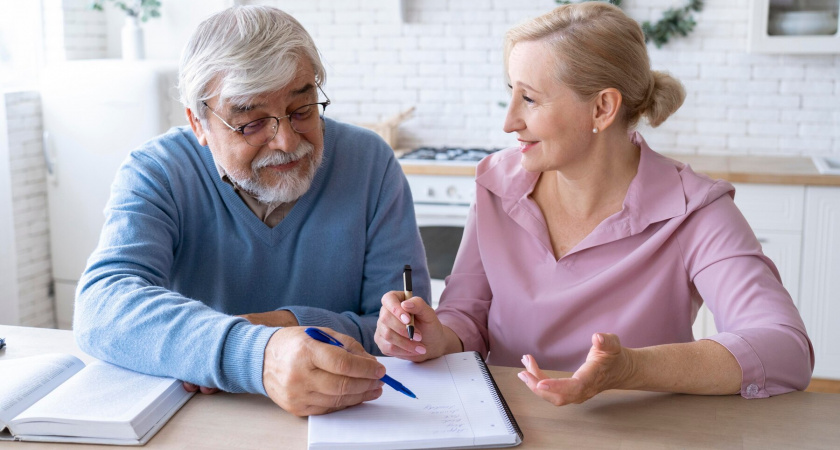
point(198, 129)
point(606, 108)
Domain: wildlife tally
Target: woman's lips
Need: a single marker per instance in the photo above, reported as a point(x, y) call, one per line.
point(524, 146)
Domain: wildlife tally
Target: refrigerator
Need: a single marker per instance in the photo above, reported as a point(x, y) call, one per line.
point(95, 112)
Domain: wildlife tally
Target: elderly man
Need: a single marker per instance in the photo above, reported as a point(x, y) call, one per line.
point(222, 241)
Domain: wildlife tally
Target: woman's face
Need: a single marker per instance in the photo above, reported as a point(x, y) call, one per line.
point(553, 126)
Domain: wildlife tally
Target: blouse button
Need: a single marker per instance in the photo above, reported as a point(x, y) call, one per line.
point(752, 390)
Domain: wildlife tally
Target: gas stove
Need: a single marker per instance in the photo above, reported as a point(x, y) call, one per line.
point(446, 155)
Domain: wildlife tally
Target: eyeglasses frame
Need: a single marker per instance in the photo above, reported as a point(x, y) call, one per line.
point(241, 130)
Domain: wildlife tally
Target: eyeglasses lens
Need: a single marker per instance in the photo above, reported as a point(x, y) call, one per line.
point(303, 120)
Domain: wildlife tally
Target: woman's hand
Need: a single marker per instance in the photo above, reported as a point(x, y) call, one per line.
point(607, 366)
point(431, 338)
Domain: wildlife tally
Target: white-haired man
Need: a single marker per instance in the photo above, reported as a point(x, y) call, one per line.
point(262, 210)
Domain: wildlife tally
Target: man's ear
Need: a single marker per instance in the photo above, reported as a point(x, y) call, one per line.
point(197, 128)
point(606, 108)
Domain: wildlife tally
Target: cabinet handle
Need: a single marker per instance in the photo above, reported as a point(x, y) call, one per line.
point(762, 240)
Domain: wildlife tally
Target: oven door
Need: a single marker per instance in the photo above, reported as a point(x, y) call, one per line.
point(441, 227)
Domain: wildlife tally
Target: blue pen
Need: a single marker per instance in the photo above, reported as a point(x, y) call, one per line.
point(319, 335)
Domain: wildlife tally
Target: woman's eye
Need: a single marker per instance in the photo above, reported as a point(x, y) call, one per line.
point(527, 99)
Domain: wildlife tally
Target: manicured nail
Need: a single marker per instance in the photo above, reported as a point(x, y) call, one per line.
point(601, 338)
point(522, 376)
point(543, 386)
point(525, 360)
point(404, 318)
point(408, 305)
point(420, 350)
point(417, 337)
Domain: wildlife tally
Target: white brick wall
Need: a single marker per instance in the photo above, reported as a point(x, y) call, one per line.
point(445, 59)
point(29, 209)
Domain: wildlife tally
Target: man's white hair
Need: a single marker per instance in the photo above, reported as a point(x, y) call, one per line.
point(242, 52)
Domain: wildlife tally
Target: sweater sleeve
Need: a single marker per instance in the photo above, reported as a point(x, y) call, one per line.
point(754, 314)
point(125, 312)
point(465, 303)
point(393, 241)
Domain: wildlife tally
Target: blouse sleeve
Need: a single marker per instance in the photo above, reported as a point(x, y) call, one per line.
point(465, 302)
point(754, 314)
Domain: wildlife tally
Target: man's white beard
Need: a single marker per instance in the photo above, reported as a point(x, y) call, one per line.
point(292, 185)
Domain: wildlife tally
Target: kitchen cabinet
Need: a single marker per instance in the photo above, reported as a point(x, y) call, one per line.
point(793, 26)
point(820, 284)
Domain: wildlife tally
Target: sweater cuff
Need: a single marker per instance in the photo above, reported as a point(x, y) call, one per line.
point(753, 379)
point(243, 356)
point(308, 316)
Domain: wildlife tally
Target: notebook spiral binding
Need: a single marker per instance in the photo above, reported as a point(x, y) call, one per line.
point(510, 421)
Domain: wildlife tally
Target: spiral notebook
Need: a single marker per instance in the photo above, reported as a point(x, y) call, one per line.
point(458, 405)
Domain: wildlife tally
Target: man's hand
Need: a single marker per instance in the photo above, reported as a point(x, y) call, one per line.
point(281, 318)
point(607, 366)
point(306, 377)
point(204, 390)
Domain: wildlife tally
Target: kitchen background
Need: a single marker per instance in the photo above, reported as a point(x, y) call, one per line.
point(442, 57)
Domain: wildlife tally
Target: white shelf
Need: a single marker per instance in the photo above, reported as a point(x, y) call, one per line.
point(759, 39)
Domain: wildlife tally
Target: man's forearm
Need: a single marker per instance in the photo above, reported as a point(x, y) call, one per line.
point(280, 318)
point(702, 367)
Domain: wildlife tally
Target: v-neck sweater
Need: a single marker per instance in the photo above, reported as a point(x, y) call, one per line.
point(642, 273)
point(181, 253)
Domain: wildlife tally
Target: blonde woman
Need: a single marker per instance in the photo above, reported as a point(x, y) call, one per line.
point(586, 251)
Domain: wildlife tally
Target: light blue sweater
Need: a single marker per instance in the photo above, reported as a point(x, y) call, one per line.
point(180, 253)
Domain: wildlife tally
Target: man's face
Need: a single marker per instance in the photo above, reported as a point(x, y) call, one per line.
point(280, 170)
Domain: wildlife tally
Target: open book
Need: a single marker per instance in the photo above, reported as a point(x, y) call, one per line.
point(55, 398)
point(458, 405)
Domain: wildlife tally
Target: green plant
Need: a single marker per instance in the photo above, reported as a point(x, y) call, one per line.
point(144, 9)
point(674, 22)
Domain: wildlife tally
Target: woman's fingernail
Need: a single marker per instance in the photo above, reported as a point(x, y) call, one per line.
point(601, 338)
point(522, 376)
point(420, 350)
point(417, 337)
point(404, 318)
point(543, 386)
point(525, 359)
point(408, 305)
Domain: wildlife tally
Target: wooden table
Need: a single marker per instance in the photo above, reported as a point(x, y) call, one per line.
point(613, 419)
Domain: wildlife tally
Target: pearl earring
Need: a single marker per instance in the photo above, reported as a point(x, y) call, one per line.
point(595, 130)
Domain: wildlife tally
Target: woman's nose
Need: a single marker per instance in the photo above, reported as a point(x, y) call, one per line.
point(513, 122)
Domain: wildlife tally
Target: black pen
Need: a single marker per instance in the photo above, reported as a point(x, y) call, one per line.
point(407, 291)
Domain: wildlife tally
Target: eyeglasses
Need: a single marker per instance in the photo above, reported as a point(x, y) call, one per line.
point(261, 131)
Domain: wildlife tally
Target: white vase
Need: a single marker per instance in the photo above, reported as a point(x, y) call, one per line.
point(132, 39)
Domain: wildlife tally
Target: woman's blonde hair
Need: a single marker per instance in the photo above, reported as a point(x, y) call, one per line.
point(598, 47)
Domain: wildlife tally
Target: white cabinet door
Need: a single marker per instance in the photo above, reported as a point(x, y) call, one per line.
point(820, 293)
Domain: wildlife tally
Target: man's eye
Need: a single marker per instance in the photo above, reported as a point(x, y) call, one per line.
point(303, 113)
point(255, 126)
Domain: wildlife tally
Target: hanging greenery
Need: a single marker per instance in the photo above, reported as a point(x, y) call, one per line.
point(143, 9)
point(674, 21)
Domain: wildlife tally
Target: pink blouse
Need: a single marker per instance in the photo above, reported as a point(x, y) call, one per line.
point(642, 274)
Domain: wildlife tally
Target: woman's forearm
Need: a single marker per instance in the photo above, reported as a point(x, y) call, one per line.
point(701, 367)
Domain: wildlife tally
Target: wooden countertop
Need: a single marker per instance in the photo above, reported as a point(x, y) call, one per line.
point(735, 169)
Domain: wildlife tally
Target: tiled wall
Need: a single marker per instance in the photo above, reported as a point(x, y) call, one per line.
point(445, 59)
point(29, 185)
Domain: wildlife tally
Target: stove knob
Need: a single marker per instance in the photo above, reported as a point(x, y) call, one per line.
point(452, 191)
point(430, 192)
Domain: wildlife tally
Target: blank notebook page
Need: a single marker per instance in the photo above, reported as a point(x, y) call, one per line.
point(456, 406)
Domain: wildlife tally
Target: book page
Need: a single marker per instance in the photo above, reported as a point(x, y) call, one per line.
point(102, 401)
point(25, 380)
point(454, 407)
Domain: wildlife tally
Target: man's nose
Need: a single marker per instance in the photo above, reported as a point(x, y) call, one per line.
point(286, 139)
